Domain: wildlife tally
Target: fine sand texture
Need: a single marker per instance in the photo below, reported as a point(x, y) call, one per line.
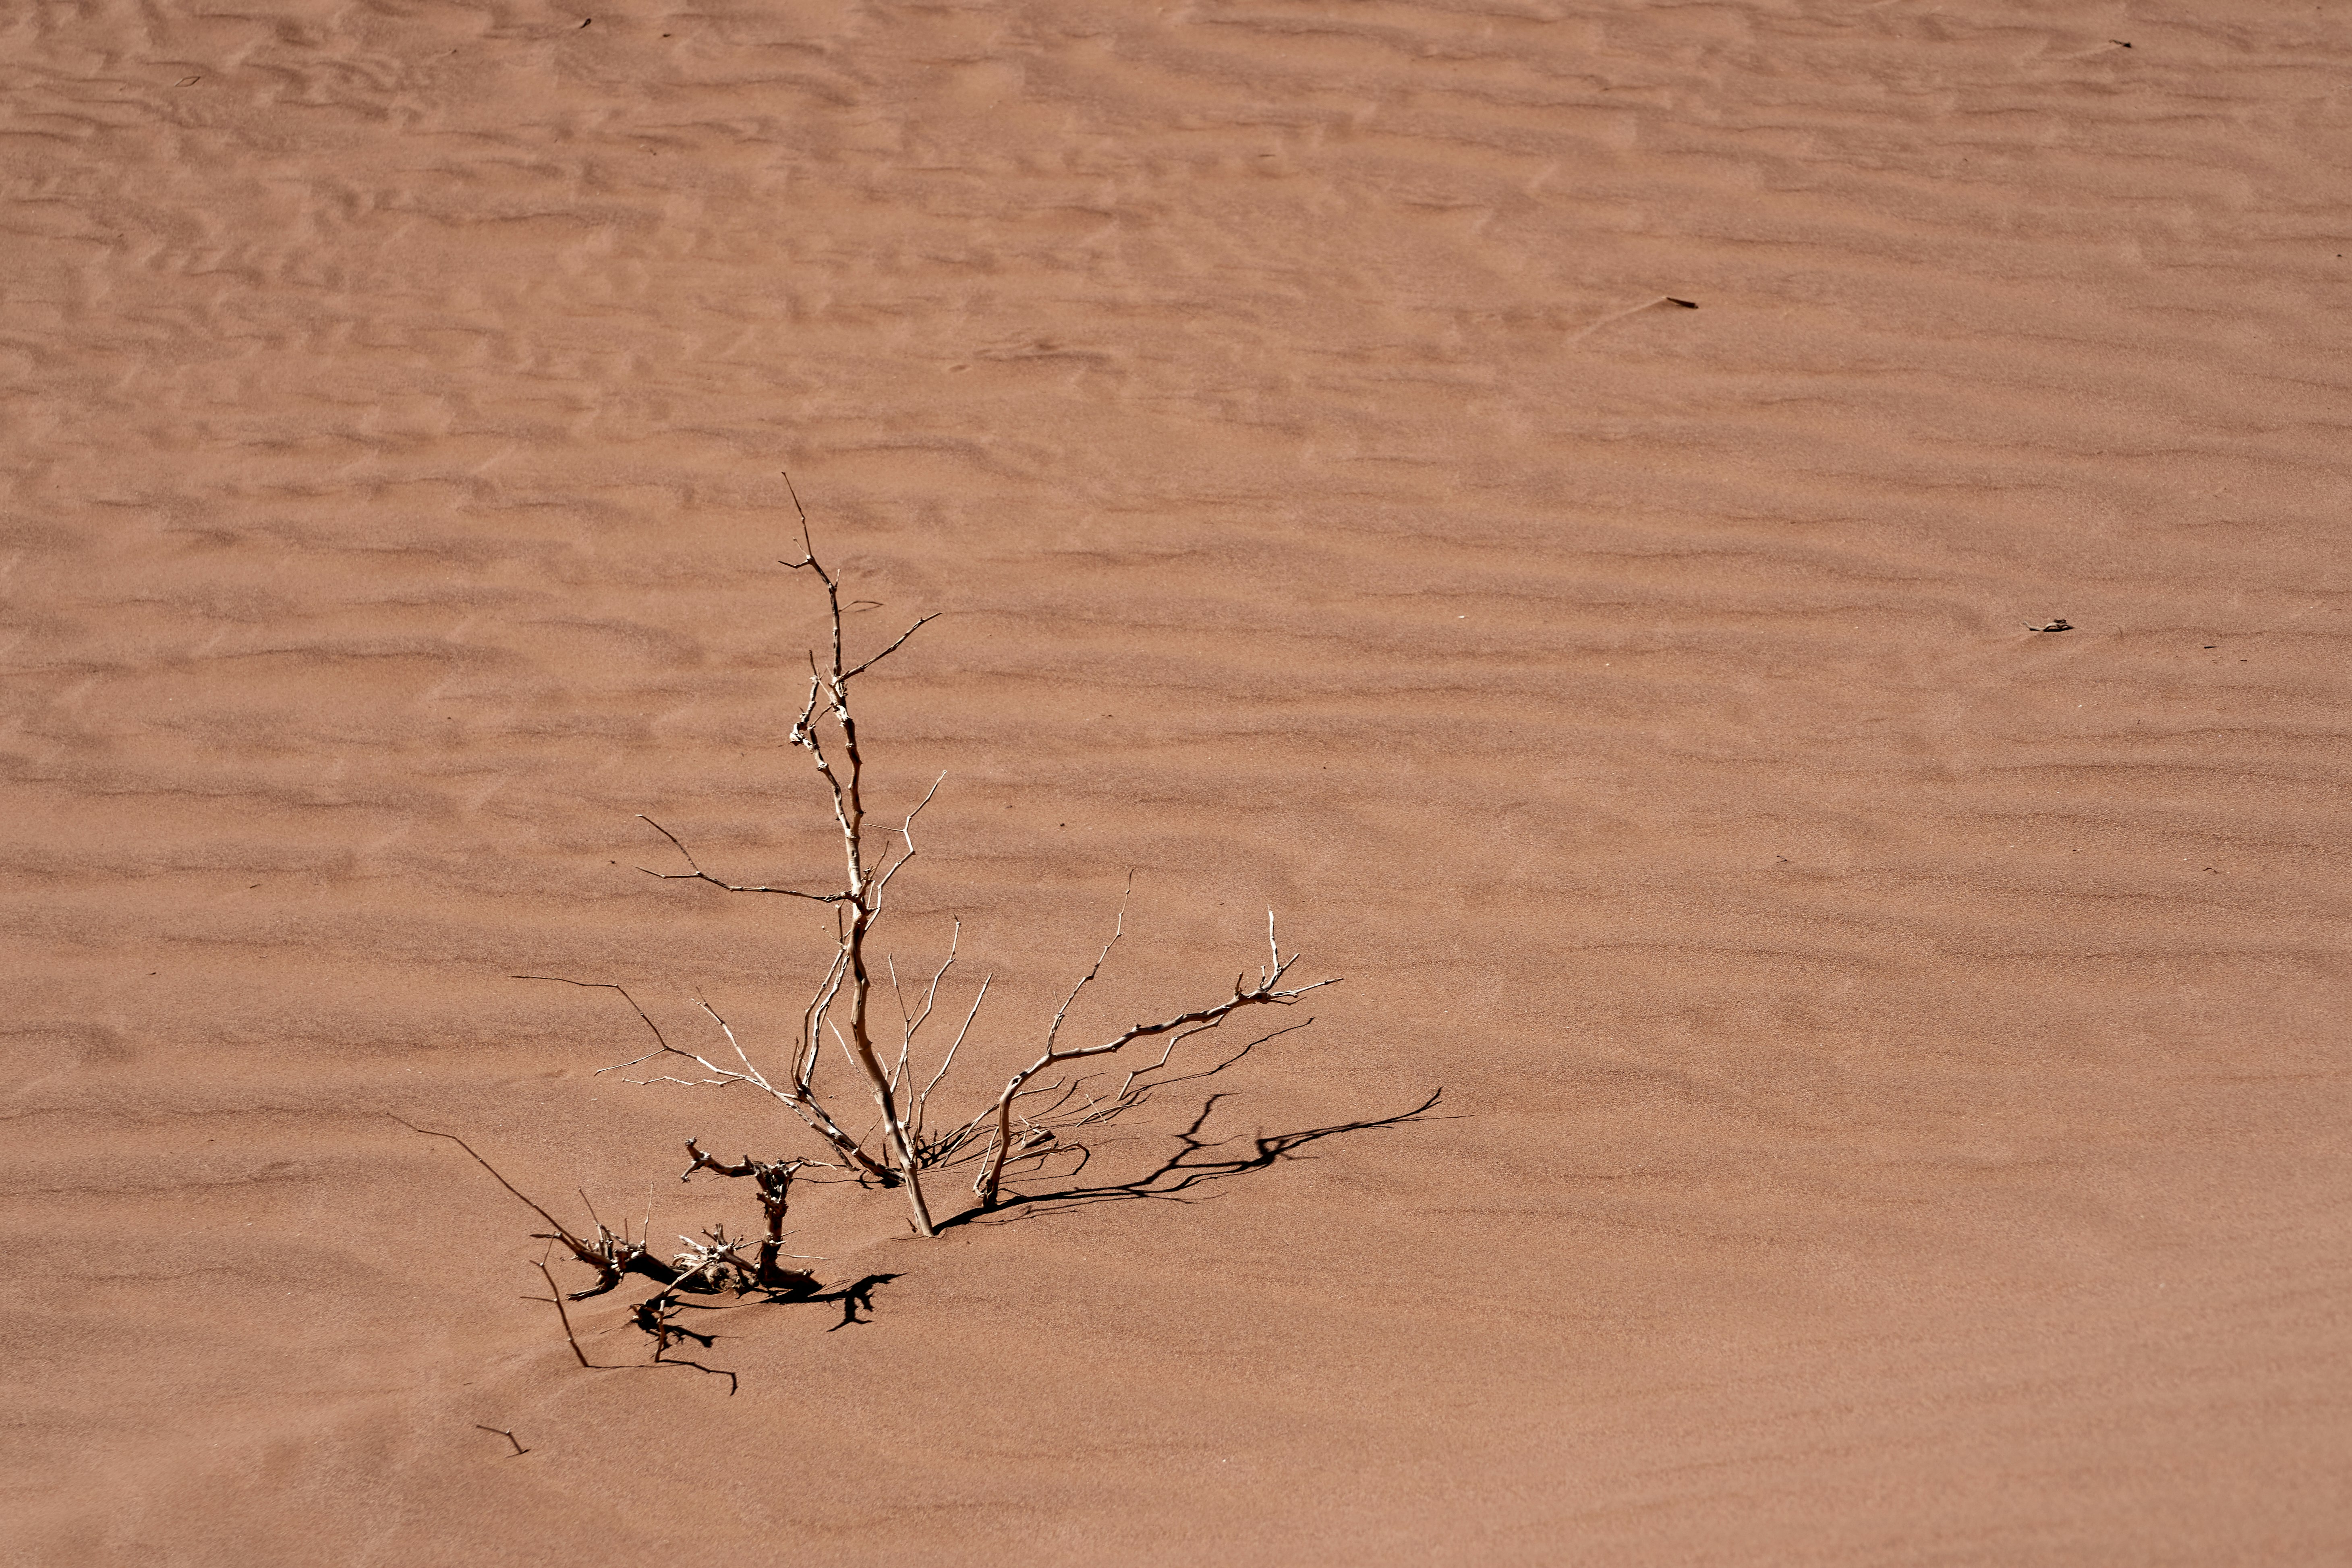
point(1893, 1059)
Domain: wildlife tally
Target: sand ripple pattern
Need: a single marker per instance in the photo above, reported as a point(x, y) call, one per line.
point(1902, 1053)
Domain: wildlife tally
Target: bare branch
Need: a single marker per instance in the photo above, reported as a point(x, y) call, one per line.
point(1206, 1072)
point(563, 1235)
point(852, 674)
point(923, 1099)
point(907, 1031)
point(1187, 1169)
point(555, 1294)
point(907, 833)
point(1118, 930)
point(1267, 992)
point(697, 874)
point(808, 556)
point(911, 1024)
point(508, 1432)
point(931, 991)
point(608, 985)
point(805, 1104)
point(812, 1020)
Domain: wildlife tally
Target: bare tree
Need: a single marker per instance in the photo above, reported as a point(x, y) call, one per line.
point(843, 1002)
point(1033, 1118)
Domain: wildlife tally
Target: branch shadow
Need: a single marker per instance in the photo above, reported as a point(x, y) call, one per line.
point(655, 1316)
point(852, 1298)
point(1196, 1162)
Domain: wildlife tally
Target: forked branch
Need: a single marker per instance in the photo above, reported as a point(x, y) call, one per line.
point(1269, 991)
point(796, 1094)
point(611, 1254)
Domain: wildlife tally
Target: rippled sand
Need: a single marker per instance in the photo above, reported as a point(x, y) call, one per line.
point(1896, 1059)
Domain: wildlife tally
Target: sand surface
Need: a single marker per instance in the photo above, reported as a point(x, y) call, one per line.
point(1893, 1061)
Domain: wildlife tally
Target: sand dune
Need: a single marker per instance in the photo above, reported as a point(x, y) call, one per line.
point(1893, 1059)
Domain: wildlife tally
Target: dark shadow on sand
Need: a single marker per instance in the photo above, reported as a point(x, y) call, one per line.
point(1197, 1163)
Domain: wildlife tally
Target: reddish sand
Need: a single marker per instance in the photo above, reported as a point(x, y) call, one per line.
point(1895, 1058)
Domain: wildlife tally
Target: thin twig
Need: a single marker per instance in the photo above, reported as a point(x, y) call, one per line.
point(697, 874)
point(923, 1099)
point(562, 1234)
point(1268, 992)
point(894, 648)
point(507, 1434)
point(555, 1294)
